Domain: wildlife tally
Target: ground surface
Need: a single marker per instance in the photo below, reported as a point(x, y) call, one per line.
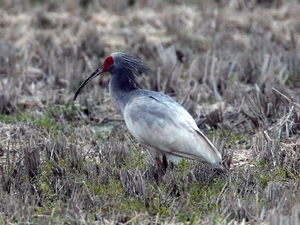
point(234, 65)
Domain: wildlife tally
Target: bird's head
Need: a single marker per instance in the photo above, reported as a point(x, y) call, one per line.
point(125, 67)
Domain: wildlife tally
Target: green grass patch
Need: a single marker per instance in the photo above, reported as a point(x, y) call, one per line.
point(188, 220)
point(49, 118)
point(43, 120)
point(130, 205)
point(113, 188)
point(205, 195)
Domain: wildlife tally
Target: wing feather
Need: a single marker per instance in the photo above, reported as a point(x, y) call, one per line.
point(159, 122)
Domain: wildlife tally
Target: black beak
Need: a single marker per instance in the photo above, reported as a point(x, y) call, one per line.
point(96, 73)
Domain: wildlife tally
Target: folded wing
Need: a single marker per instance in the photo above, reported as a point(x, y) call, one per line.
point(159, 122)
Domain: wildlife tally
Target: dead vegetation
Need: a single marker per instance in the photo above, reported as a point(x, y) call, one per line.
point(234, 65)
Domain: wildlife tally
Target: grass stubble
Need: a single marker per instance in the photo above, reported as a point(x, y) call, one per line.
point(234, 65)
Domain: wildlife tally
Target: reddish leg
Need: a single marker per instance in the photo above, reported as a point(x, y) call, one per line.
point(161, 167)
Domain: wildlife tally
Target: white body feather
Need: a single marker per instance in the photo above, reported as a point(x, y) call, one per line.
point(165, 127)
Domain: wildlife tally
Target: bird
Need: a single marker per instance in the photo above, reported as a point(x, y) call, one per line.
point(155, 119)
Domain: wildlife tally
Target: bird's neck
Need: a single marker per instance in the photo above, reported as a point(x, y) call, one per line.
point(118, 94)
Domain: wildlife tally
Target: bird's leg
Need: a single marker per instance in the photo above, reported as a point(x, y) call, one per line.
point(160, 171)
point(164, 163)
point(161, 168)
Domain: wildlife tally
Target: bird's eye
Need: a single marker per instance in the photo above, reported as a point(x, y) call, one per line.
point(108, 62)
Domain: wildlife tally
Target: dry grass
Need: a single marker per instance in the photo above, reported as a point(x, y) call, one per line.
point(235, 67)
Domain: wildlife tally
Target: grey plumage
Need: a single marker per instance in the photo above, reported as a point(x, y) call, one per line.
point(153, 118)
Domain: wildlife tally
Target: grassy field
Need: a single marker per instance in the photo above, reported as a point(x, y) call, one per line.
point(234, 65)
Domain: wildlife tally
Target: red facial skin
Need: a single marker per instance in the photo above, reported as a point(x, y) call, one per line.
point(108, 62)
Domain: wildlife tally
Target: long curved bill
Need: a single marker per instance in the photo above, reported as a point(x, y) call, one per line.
point(96, 73)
